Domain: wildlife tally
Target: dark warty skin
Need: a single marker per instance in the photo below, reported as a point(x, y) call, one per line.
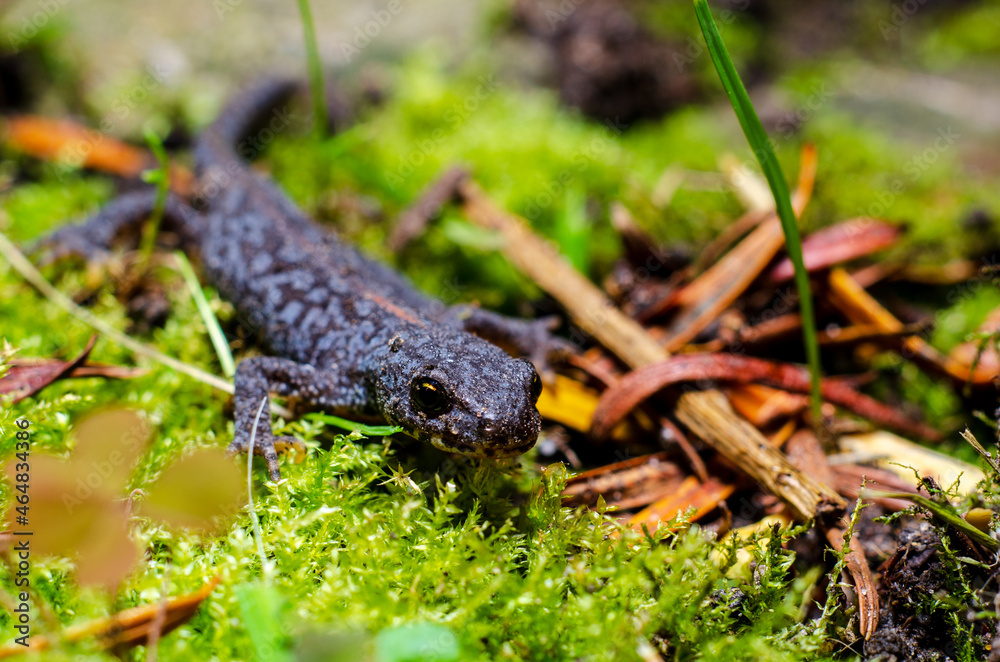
point(345, 333)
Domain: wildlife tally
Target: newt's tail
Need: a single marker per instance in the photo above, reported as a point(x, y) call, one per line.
point(228, 141)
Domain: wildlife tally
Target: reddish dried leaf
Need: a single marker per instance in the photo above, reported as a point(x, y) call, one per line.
point(25, 379)
point(849, 479)
point(105, 371)
point(640, 384)
point(65, 140)
point(838, 243)
point(866, 593)
point(806, 454)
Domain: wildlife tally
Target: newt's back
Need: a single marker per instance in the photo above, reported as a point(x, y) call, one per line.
point(311, 297)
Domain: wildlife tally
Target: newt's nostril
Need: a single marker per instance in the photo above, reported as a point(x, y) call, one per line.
point(487, 426)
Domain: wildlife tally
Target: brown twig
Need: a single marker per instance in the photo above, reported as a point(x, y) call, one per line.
point(414, 219)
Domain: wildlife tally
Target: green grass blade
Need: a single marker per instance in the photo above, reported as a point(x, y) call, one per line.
point(160, 177)
point(764, 152)
point(943, 513)
point(315, 69)
point(211, 322)
point(351, 426)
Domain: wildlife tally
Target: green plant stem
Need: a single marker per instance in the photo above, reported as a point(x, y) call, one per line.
point(211, 322)
point(265, 563)
point(943, 514)
point(764, 152)
point(315, 69)
point(344, 424)
point(161, 177)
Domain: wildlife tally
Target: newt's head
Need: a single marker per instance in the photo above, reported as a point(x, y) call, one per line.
point(460, 393)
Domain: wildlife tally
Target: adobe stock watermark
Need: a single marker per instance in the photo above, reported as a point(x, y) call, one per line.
point(454, 117)
point(901, 13)
point(31, 25)
point(590, 152)
point(694, 47)
point(913, 169)
point(218, 176)
point(562, 12)
point(223, 7)
point(364, 34)
point(819, 95)
point(75, 153)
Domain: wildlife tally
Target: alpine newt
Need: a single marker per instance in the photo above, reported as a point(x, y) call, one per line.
point(344, 332)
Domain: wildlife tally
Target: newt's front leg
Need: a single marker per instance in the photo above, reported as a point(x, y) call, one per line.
point(532, 339)
point(258, 376)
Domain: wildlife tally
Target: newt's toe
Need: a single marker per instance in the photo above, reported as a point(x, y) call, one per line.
point(268, 447)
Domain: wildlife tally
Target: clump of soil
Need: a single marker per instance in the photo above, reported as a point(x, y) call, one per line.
point(909, 628)
point(607, 64)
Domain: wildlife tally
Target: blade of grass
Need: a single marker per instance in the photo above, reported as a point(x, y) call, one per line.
point(315, 69)
point(943, 513)
point(764, 152)
point(160, 177)
point(265, 563)
point(28, 271)
point(344, 424)
point(211, 322)
point(23, 266)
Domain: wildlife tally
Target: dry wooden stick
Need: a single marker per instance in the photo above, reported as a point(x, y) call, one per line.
point(707, 413)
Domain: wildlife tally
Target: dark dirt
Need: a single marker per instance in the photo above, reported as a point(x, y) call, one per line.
point(607, 64)
point(912, 578)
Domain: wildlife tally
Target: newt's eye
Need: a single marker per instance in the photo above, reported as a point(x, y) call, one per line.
point(535, 387)
point(429, 396)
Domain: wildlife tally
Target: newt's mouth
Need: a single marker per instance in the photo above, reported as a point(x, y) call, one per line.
point(485, 449)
